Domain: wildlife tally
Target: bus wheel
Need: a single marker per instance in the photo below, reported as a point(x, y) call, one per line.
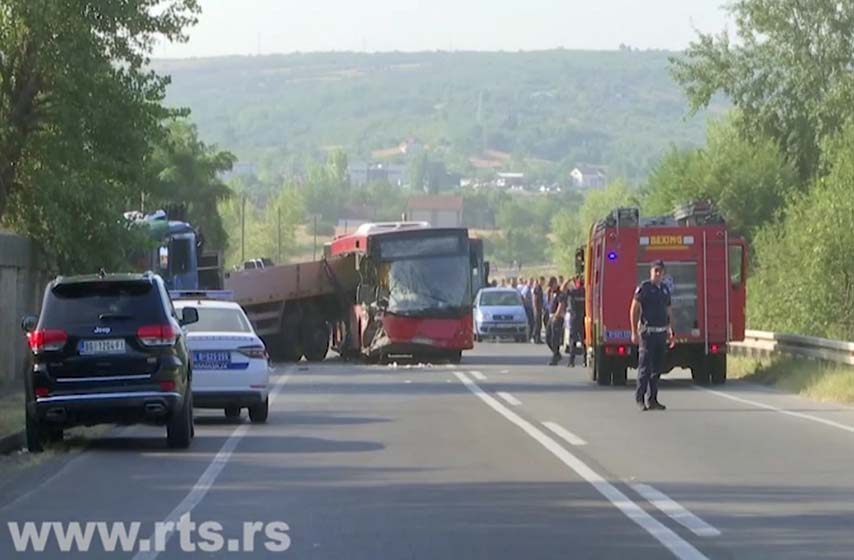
point(455, 357)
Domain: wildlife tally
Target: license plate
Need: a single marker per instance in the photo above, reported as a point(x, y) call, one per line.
point(212, 360)
point(104, 346)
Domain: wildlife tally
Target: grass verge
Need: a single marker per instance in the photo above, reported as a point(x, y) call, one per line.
point(822, 381)
point(11, 410)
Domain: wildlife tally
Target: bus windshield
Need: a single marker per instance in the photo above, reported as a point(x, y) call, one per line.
point(429, 285)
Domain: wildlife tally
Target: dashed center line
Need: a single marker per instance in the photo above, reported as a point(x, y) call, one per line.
point(675, 511)
point(564, 434)
point(678, 546)
point(510, 399)
point(478, 375)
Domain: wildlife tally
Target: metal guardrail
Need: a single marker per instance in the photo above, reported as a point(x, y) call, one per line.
point(766, 343)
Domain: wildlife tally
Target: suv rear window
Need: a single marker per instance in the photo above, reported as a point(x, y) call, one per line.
point(87, 303)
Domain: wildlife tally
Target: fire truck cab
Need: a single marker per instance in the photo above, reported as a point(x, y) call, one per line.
point(706, 273)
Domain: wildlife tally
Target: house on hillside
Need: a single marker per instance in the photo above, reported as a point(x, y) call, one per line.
point(438, 210)
point(589, 176)
point(362, 173)
point(510, 180)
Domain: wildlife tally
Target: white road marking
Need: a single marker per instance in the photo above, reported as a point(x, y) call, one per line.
point(509, 398)
point(801, 415)
point(505, 371)
point(680, 548)
point(206, 481)
point(675, 511)
point(478, 375)
point(408, 381)
point(565, 434)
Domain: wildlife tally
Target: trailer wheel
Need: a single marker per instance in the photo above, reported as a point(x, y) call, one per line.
point(315, 341)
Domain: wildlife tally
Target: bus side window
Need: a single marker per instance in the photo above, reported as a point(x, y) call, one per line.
point(736, 262)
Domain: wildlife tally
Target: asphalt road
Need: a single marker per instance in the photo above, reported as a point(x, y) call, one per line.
point(499, 457)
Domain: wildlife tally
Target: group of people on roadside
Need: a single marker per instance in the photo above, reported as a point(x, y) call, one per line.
point(556, 308)
point(557, 305)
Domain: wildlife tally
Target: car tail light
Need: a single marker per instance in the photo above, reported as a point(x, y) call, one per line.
point(255, 352)
point(47, 340)
point(42, 392)
point(157, 335)
point(714, 349)
point(621, 350)
point(167, 386)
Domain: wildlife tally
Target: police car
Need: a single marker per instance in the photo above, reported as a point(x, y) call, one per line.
point(231, 368)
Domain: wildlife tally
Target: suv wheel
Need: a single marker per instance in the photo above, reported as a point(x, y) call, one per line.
point(179, 430)
point(258, 413)
point(35, 441)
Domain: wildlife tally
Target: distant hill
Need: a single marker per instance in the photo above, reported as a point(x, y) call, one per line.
point(537, 111)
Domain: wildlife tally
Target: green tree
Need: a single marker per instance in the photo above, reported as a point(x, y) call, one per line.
point(79, 109)
point(270, 228)
point(788, 72)
point(804, 282)
point(570, 229)
point(748, 180)
point(187, 171)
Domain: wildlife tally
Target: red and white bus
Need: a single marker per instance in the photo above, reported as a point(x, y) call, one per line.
point(414, 296)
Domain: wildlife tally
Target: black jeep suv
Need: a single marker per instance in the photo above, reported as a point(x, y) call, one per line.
point(108, 348)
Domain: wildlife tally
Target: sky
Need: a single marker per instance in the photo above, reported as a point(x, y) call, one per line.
point(282, 26)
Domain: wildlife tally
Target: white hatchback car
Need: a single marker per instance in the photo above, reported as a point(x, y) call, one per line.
point(231, 368)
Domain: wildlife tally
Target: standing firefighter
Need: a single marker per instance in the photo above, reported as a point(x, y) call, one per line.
point(650, 321)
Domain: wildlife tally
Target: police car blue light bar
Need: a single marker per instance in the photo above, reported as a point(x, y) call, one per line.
point(222, 295)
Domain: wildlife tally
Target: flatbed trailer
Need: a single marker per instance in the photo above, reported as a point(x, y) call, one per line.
point(294, 306)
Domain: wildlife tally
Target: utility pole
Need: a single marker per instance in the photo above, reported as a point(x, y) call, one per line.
point(242, 228)
point(279, 230)
point(315, 238)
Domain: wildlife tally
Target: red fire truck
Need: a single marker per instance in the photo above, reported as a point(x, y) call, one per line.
point(706, 271)
point(414, 296)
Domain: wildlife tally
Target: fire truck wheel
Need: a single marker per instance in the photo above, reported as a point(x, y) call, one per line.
point(619, 374)
point(717, 369)
point(602, 368)
point(700, 374)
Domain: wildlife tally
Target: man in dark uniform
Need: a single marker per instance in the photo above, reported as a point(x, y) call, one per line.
point(576, 326)
point(649, 317)
point(556, 322)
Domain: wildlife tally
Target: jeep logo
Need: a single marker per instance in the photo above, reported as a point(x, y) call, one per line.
point(102, 330)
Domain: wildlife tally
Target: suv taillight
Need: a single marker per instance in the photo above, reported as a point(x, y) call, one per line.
point(256, 352)
point(157, 335)
point(47, 340)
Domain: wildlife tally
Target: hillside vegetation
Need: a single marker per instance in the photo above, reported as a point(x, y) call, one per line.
point(542, 112)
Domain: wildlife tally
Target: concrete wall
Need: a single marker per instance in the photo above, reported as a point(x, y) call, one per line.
point(21, 287)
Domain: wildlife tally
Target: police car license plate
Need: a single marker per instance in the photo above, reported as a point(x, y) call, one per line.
point(212, 360)
point(104, 346)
